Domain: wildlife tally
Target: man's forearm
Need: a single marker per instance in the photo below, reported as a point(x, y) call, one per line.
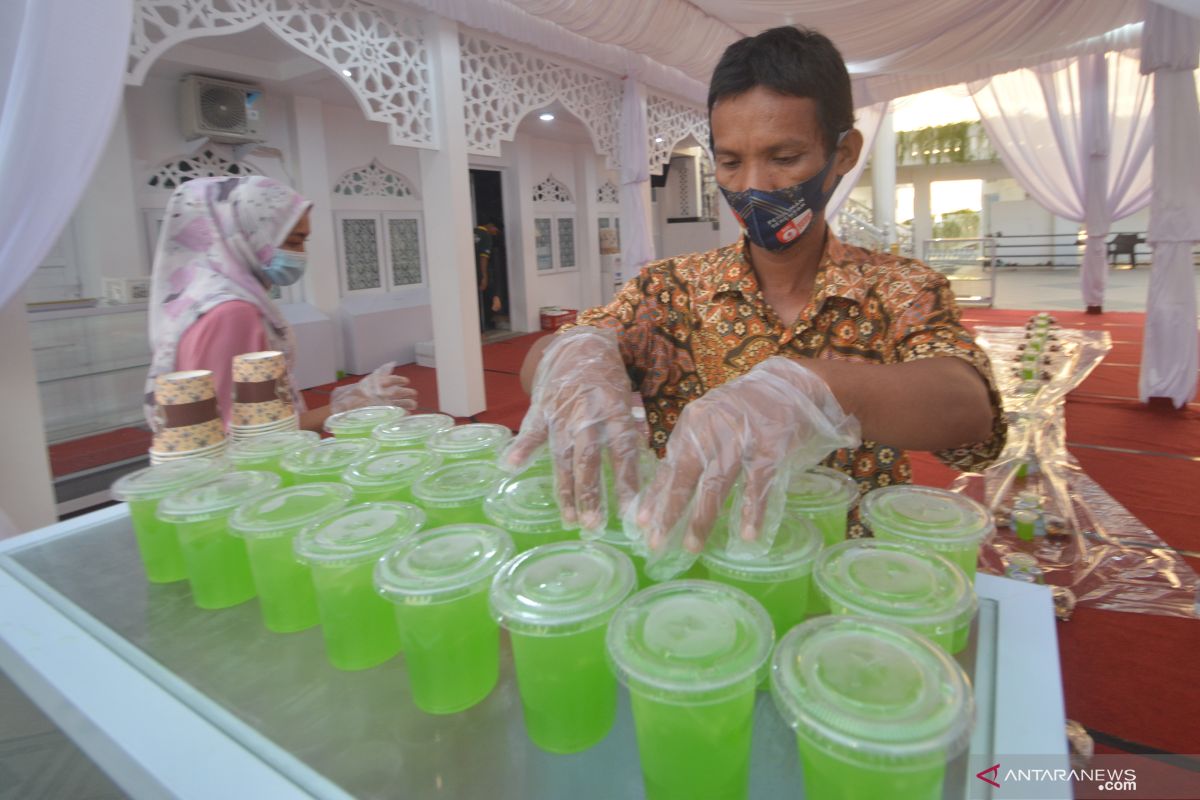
point(929, 404)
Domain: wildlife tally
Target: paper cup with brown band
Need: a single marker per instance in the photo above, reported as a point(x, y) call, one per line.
point(179, 388)
point(267, 365)
point(250, 414)
point(189, 437)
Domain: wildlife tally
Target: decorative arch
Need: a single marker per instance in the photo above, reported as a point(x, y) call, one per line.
point(178, 170)
point(502, 84)
point(669, 122)
point(552, 190)
point(375, 180)
point(383, 50)
point(608, 194)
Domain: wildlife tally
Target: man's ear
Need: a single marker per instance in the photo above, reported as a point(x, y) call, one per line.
point(848, 152)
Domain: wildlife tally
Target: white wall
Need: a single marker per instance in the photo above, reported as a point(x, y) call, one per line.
point(547, 157)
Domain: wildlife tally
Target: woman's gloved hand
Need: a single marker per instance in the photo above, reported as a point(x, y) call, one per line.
point(380, 388)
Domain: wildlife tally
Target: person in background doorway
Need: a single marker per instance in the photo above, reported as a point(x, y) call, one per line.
point(225, 242)
point(485, 266)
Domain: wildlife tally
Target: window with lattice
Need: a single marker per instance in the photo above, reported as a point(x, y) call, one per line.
point(552, 190)
point(374, 180)
point(379, 251)
point(176, 171)
point(608, 194)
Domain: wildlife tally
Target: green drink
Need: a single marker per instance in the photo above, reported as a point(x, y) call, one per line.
point(615, 537)
point(946, 522)
point(325, 461)
point(780, 580)
point(556, 600)
point(217, 565)
point(878, 710)
point(269, 526)
point(824, 496)
point(899, 583)
point(691, 653)
point(342, 548)
point(262, 453)
point(388, 475)
point(357, 423)
point(157, 541)
point(410, 432)
point(438, 580)
point(527, 507)
point(454, 493)
point(478, 440)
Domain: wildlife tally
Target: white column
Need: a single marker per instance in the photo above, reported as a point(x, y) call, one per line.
point(445, 178)
point(637, 237)
point(321, 282)
point(522, 275)
point(922, 216)
point(883, 178)
point(107, 222)
point(26, 488)
point(1093, 96)
point(587, 247)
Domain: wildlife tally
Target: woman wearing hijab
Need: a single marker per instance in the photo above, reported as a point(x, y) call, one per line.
point(224, 243)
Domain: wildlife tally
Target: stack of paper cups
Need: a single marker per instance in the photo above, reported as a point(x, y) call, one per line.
point(189, 424)
point(262, 401)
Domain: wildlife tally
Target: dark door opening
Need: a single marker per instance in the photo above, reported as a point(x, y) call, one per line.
point(487, 196)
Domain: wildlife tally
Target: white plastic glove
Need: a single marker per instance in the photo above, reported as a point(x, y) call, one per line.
point(581, 406)
point(753, 431)
point(380, 388)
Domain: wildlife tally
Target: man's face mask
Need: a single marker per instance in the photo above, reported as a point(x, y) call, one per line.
point(775, 220)
point(285, 267)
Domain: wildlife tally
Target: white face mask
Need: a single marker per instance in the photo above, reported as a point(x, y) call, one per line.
point(285, 267)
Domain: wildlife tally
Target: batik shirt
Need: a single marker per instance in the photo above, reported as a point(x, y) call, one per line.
point(690, 323)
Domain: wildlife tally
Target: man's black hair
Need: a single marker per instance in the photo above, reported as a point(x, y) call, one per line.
point(792, 61)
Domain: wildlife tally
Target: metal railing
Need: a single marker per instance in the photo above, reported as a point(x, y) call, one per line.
point(968, 263)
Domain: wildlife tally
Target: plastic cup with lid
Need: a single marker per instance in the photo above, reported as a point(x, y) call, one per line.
point(555, 601)
point(948, 523)
point(615, 537)
point(825, 496)
point(454, 493)
point(438, 581)
point(410, 432)
point(357, 423)
point(269, 525)
point(217, 565)
point(325, 461)
point(477, 440)
point(900, 583)
point(780, 580)
point(389, 475)
point(878, 710)
point(526, 506)
point(157, 540)
point(262, 453)
point(691, 654)
point(341, 548)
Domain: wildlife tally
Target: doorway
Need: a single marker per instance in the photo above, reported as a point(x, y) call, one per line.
point(488, 207)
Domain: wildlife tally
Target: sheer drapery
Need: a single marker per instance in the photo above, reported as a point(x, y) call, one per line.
point(1076, 135)
point(637, 243)
point(1169, 349)
point(61, 66)
point(867, 121)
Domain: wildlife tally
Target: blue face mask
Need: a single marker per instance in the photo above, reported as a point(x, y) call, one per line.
point(285, 267)
point(776, 220)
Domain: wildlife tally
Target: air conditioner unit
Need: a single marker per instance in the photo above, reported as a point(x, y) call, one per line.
point(224, 111)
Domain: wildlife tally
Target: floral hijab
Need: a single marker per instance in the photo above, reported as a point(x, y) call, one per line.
point(217, 235)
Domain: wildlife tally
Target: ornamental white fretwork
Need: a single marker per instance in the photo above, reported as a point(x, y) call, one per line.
point(551, 190)
point(374, 180)
point(178, 170)
point(608, 194)
point(668, 122)
point(501, 85)
point(384, 51)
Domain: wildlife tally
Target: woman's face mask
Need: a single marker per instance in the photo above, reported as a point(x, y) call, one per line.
point(285, 267)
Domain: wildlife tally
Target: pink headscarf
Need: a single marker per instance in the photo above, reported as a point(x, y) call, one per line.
point(217, 235)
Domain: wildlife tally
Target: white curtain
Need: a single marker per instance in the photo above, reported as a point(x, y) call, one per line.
point(61, 69)
point(1169, 349)
point(868, 121)
point(637, 242)
point(1076, 135)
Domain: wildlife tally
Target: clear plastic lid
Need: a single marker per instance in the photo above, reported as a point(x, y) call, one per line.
point(217, 497)
point(689, 639)
point(457, 484)
point(155, 483)
point(363, 420)
point(896, 580)
point(326, 455)
point(358, 533)
point(272, 445)
point(792, 554)
point(821, 489)
point(391, 468)
point(925, 513)
point(285, 511)
point(443, 564)
point(525, 503)
point(561, 588)
point(872, 688)
point(412, 430)
point(463, 440)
